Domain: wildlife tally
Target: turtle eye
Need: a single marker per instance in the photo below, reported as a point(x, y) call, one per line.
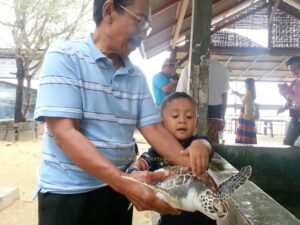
point(208, 193)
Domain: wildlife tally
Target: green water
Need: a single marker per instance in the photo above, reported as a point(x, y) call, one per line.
point(274, 171)
point(291, 201)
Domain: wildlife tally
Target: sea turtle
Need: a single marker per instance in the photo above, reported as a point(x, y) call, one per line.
point(183, 191)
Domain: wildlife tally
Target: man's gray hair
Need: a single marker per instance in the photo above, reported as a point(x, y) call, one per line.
point(98, 5)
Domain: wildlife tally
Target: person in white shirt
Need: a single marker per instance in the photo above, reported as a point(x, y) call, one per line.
point(218, 85)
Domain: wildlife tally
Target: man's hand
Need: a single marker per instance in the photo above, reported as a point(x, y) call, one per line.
point(198, 152)
point(148, 176)
point(142, 197)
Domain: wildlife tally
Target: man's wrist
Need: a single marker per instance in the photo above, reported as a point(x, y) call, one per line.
point(131, 169)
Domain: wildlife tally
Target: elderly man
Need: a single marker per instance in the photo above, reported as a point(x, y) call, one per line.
point(292, 94)
point(92, 98)
point(163, 83)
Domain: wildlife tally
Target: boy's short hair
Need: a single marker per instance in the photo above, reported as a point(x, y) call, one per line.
point(293, 59)
point(177, 95)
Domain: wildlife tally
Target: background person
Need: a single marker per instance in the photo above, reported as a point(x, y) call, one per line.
point(179, 116)
point(218, 86)
point(92, 98)
point(246, 131)
point(292, 94)
point(163, 83)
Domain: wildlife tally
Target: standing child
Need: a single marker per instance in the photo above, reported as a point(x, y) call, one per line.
point(179, 117)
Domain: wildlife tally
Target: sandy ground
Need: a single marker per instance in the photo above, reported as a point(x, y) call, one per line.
point(18, 167)
point(19, 163)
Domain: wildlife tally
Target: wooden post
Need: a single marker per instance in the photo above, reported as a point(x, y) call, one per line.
point(199, 58)
point(270, 25)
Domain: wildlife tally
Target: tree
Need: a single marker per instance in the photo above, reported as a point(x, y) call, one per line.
point(35, 24)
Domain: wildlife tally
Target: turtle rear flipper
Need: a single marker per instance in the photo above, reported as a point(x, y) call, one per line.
point(228, 187)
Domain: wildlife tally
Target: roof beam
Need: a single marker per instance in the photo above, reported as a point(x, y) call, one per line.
point(161, 45)
point(187, 16)
point(163, 7)
point(274, 69)
point(183, 7)
point(235, 70)
point(246, 51)
point(232, 11)
point(228, 7)
point(295, 4)
point(275, 7)
point(228, 61)
point(287, 8)
point(238, 18)
point(254, 51)
point(249, 67)
point(228, 23)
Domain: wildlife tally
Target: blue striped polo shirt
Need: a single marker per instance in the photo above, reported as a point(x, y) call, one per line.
point(77, 81)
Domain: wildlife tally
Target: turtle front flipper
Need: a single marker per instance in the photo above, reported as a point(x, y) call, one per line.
point(228, 187)
point(160, 193)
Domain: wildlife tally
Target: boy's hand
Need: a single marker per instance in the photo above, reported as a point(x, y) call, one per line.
point(198, 152)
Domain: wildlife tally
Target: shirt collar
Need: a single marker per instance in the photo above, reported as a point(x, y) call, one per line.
point(127, 68)
point(95, 52)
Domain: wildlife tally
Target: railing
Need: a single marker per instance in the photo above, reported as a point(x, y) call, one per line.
point(266, 125)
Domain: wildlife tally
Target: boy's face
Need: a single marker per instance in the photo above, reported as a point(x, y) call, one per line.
point(179, 118)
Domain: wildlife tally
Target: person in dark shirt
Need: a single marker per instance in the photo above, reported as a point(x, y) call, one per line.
point(179, 117)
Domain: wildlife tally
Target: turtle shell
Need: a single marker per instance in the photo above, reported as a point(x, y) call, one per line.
point(182, 177)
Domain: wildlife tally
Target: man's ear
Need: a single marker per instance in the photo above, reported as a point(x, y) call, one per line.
point(107, 10)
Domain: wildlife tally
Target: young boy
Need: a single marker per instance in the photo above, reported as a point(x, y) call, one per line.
point(179, 117)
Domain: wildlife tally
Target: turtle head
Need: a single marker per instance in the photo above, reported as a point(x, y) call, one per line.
point(211, 206)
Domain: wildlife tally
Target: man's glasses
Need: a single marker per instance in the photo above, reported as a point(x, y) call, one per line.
point(143, 22)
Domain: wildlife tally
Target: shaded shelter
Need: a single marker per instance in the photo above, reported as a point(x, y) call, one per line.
point(171, 22)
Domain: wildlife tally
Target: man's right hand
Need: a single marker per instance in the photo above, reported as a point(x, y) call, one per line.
point(141, 196)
